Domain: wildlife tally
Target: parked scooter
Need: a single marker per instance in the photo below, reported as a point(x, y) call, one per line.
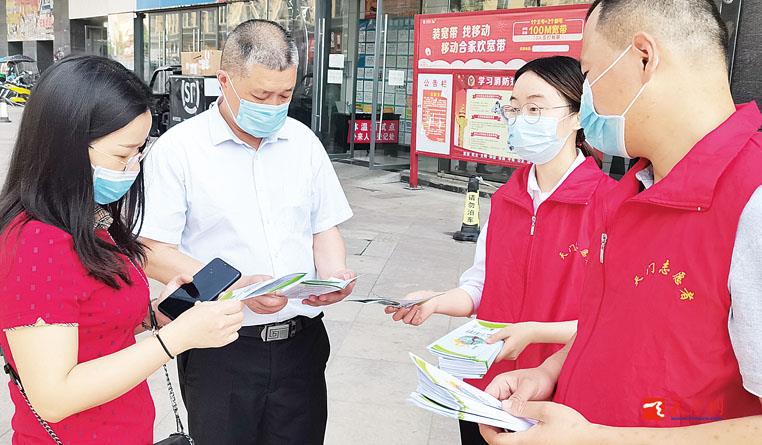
point(16, 85)
point(14, 93)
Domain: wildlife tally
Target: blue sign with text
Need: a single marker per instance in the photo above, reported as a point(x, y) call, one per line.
point(143, 5)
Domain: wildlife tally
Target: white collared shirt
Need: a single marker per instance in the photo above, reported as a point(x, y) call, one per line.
point(646, 177)
point(533, 187)
point(214, 196)
point(472, 280)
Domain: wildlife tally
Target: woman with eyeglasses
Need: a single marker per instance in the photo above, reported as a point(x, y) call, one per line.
point(530, 256)
point(72, 292)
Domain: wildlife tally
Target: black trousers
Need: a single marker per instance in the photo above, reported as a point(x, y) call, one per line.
point(252, 392)
point(470, 435)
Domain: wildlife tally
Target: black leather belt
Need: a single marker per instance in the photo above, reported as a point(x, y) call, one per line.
point(281, 330)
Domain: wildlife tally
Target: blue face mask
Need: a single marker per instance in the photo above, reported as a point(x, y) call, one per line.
point(537, 143)
point(110, 185)
point(258, 120)
point(606, 133)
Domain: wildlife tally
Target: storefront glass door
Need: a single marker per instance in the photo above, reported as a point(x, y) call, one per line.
point(391, 82)
point(164, 42)
point(334, 74)
point(364, 75)
point(200, 29)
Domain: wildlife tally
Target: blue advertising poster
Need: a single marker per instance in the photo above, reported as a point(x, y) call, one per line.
point(143, 5)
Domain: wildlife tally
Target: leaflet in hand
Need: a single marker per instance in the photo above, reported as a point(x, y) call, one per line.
point(292, 286)
point(443, 394)
point(395, 303)
point(464, 352)
point(307, 288)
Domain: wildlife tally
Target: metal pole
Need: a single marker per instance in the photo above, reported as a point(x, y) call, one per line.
point(317, 67)
point(383, 73)
point(374, 102)
point(323, 55)
point(353, 110)
point(139, 45)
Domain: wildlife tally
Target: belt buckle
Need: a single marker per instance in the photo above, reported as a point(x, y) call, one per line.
point(276, 332)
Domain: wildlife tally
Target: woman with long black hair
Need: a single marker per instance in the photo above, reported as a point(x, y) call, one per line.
point(72, 293)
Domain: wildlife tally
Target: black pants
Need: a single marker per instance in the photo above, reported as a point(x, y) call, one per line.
point(470, 435)
point(252, 392)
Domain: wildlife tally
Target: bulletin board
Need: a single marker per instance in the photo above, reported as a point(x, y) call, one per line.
point(463, 71)
point(396, 99)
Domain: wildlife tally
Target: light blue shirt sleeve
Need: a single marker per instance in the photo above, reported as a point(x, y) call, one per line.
point(745, 284)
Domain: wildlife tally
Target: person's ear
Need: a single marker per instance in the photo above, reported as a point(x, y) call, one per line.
point(650, 54)
point(576, 120)
point(222, 78)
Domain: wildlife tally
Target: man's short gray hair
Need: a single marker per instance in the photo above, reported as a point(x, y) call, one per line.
point(259, 42)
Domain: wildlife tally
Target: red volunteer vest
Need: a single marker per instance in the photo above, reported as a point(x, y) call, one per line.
point(653, 347)
point(534, 263)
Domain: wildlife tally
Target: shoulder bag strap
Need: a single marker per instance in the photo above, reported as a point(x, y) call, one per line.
point(17, 381)
point(170, 389)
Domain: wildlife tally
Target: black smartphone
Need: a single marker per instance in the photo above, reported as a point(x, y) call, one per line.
point(214, 279)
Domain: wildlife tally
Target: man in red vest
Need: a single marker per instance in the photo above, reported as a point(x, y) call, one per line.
point(669, 344)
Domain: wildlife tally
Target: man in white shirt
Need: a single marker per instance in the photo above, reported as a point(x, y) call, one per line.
point(245, 183)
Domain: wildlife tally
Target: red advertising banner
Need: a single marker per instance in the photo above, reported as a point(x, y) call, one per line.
point(506, 40)
point(465, 64)
point(388, 132)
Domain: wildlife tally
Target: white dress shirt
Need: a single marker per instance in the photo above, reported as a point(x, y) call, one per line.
point(214, 196)
point(533, 188)
point(472, 280)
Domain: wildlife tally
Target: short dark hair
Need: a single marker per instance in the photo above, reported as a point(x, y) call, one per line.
point(259, 42)
point(565, 75)
point(76, 101)
point(694, 24)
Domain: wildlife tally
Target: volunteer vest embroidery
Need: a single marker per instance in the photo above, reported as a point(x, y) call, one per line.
point(653, 347)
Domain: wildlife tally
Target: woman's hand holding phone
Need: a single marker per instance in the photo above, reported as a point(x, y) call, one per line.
point(209, 324)
point(161, 319)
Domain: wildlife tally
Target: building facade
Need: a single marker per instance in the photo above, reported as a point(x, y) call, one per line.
point(348, 50)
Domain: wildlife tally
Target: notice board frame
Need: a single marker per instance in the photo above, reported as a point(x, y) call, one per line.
point(578, 11)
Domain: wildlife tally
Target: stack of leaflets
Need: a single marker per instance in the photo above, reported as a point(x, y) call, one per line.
point(464, 352)
point(395, 303)
point(292, 286)
point(445, 395)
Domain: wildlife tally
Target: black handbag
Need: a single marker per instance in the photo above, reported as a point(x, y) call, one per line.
point(178, 438)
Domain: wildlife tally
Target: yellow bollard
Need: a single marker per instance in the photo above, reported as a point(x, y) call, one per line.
point(470, 228)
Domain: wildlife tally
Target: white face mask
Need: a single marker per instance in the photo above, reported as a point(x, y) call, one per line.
point(538, 142)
